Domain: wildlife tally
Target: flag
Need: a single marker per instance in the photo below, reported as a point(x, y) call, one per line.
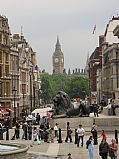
point(94, 29)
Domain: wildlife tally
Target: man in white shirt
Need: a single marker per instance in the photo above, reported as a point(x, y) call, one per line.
point(56, 130)
point(80, 131)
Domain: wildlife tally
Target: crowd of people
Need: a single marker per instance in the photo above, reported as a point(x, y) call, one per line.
point(39, 130)
point(105, 149)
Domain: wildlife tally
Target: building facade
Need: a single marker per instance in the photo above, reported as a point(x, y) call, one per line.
point(5, 78)
point(107, 75)
point(19, 74)
point(110, 56)
point(94, 66)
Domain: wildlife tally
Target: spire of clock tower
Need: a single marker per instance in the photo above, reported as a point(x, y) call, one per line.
point(58, 46)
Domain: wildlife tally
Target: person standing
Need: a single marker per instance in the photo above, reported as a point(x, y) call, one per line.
point(113, 106)
point(95, 109)
point(69, 132)
point(69, 156)
point(90, 147)
point(38, 119)
point(30, 131)
point(56, 130)
point(17, 130)
point(94, 133)
point(113, 149)
point(80, 131)
point(103, 149)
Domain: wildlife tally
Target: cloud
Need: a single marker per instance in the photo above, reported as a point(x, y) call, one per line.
point(72, 20)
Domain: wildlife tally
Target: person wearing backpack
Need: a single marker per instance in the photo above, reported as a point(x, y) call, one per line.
point(90, 147)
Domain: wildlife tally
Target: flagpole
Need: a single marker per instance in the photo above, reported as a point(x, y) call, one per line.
point(95, 35)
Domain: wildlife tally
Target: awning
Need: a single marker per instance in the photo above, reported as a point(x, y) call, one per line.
point(3, 111)
point(8, 109)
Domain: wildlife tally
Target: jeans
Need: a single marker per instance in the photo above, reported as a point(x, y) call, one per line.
point(114, 157)
point(104, 156)
point(68, 136)
point(80, 137)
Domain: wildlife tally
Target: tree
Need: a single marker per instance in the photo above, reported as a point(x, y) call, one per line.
point(74, 86)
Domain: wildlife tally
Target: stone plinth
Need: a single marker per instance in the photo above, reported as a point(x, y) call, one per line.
point(108, 111)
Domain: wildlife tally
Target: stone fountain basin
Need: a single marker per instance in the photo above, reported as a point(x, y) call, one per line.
point(13, 151)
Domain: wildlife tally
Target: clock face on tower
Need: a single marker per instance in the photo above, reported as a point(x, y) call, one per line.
point(56, 60)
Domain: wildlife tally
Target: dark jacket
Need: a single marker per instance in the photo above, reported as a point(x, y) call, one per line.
point(103, 147)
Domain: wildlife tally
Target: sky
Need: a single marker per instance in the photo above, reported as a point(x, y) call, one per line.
point(72, 20)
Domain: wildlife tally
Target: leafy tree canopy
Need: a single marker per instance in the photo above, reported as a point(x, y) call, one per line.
point(74, 86)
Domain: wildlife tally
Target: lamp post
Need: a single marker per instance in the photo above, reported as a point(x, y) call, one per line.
point(5, 100)
point(14, 93)
point(23, 99)
point(30, 74)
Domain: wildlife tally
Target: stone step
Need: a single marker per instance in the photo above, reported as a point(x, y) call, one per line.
point(108, 123)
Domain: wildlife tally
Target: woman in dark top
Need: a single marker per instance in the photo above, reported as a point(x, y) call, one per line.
point(103, 149)
point(69, 132)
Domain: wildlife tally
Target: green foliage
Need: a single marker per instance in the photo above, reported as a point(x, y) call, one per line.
point(74, 86)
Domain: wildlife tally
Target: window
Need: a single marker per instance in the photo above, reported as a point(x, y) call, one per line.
point(23, 76)
point(7, 70)
point(0, 71)
point(0, 89)
point(1, 38)
point(23, 88)
point(0, 56)
point(7, 88)
point(6, 58)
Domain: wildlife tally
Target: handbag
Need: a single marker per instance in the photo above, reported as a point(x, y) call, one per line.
point(111, 153)
point(70, 131)
point(100, 153)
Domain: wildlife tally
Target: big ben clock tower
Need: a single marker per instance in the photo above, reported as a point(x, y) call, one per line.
point(58, 59)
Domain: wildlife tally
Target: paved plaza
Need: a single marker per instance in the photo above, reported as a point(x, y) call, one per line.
point(59, 150)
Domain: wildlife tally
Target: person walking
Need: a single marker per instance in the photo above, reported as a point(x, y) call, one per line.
point(94, 133)
point(90, 147)
point(69, 132)
point(35, 139)
point(113, 149)
point(80, 131)
point(103, 149)
point(103, 135)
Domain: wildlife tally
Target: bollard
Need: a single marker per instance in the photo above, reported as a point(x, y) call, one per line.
point(1, 133)
point(116, 136)
point(76, 137)
point(25, 132)
point(7, 133)
point(60, 137)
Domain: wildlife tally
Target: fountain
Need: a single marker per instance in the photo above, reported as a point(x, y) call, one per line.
point(13, 151)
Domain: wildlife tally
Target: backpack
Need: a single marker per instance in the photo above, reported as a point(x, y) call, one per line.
point(87, 143)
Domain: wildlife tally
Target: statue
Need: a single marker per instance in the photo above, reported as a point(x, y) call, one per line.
point(64, 107)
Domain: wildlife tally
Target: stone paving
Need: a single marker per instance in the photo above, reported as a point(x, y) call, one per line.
point(60, 150)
